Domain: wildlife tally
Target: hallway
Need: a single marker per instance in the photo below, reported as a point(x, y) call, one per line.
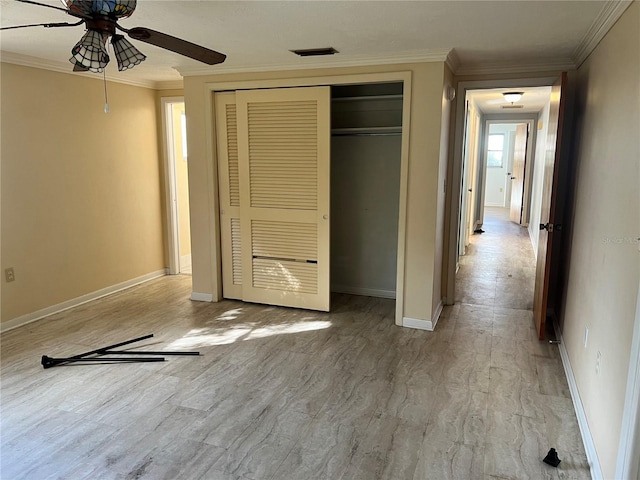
point(530, 408)
point(499, 267)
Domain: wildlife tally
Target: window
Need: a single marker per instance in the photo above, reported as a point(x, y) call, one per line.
point(495, 150)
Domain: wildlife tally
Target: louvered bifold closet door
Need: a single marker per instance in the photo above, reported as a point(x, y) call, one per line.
point(229, 193)
point(283, 146)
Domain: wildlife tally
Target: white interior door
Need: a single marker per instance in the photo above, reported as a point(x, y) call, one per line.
point(283, 153)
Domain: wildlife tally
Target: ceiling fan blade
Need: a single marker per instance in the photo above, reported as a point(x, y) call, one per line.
point(65, 10)
point(43, 5)
point(45, 25)
point(177, 45)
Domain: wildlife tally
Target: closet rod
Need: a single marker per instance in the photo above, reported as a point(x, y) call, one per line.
point(366, 134)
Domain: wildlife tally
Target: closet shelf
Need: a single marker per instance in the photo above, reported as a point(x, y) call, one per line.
point(367, 97)
point(367, 131)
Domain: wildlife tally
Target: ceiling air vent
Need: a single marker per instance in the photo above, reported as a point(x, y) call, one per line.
point(511, 106)
point(315, 52)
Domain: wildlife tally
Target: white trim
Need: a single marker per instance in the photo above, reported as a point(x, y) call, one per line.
point(436, 314)
point(367, 292)
point(628, 464)
point(611, 11)
point(420, 324)
point(67, 68)
point(417, 323)
point(89, 297)
point(308, 63)
point(171, 207)
point(491, 204)
point(453, 61)
point(201, 297)
point(555, 65)
point(587, 439)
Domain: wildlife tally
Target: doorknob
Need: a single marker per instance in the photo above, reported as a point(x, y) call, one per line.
point(550, 227)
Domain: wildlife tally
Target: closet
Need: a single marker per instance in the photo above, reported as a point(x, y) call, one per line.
point(276, 149)
point(366, 141)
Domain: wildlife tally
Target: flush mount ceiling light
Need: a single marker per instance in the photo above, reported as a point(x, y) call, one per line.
point(512, 97)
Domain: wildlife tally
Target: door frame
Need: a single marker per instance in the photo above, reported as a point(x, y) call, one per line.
point(170, 188)
point(326, 80)
point(628, 463)
point(530, 119)
point(454, 169)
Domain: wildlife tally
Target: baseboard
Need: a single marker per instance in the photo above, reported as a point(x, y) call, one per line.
point(587, 439)
point(367, 292)
point(417, 323)
point(500, 205)
point(201, 297)
point(436, 315)
point(89, 297)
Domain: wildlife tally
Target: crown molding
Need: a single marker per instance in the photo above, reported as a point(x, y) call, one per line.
point(453, 60)
point(611, 11)
point(309, 63)
point(65, 67)
point(562, 64)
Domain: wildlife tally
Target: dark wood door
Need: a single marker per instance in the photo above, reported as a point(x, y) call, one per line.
point(551, 192)
point(517, 173)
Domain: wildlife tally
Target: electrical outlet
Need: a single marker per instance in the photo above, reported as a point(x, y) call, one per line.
point(598, 363)
point(9, 275)
point(586, 336)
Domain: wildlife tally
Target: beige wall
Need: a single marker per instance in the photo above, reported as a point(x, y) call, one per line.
point(424, 160)
point(604, 268)
point(80, 199)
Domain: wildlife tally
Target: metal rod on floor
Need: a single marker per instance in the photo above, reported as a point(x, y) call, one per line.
point(48, 362)
point(100, 351)
point(146, 352)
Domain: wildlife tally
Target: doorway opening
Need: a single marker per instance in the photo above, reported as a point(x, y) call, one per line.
point(503, 159)
point(177, 185)
point(366, 153)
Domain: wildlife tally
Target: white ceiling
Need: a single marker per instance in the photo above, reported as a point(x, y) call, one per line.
point(259, 35)
point(491, 101)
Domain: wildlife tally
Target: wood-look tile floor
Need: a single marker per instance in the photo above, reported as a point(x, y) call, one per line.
point(289, 394)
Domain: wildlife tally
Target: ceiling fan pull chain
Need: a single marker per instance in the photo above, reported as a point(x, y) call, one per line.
point(106, 98)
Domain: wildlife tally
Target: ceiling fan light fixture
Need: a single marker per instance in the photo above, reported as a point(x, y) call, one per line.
point(512, 97)
point(110, 8)
point(127, 55)
point(90, 52)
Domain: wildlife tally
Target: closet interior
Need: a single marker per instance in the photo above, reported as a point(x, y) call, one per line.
point(366, 142)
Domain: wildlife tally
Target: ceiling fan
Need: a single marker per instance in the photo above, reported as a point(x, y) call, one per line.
point(101, 20)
